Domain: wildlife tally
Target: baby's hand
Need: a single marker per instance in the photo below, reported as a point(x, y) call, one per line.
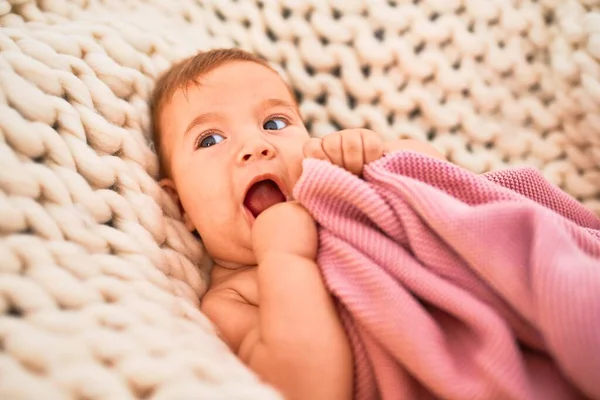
point(285, 228)
point(352, 149)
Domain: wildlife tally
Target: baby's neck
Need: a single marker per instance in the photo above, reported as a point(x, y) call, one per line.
point(221, 274)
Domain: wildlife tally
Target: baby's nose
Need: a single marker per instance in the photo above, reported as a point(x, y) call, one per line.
point(256, 150)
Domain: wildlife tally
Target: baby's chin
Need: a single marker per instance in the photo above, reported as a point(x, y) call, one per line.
point(229, 248)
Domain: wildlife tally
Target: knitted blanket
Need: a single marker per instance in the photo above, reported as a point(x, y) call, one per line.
point(99, 281)
point(459, 286)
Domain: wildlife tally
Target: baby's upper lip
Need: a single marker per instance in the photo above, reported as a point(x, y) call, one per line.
point(268, 176)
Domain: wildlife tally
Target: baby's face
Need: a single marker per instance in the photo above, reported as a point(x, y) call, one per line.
point(240, 126)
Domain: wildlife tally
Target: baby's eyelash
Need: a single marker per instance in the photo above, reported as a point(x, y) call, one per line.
point(202, 135)
point(279, 116)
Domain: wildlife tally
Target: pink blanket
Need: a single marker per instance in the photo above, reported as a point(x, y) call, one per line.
point(459, 286)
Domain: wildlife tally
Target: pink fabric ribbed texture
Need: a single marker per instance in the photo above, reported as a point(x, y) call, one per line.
point(459, 286)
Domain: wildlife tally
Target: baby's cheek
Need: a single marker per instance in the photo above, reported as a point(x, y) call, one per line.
point(295, 167)
point(200, 213)
point(210, 232)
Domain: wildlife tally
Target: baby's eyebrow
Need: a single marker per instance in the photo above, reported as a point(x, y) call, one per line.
point(268, 103)
point(201, 119)
point(211, 116)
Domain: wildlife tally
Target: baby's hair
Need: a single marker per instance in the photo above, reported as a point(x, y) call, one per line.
point(179, 76)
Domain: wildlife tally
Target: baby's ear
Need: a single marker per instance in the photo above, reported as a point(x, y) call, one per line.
point(169, 186)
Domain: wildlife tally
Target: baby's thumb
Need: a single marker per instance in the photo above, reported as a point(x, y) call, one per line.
point(314, 149)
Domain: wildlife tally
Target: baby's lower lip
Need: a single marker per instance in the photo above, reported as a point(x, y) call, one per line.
point(249, 217)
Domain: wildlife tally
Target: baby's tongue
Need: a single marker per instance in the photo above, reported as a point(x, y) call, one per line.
point(263, 195)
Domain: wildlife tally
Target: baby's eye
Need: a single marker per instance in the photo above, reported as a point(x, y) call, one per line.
point(275, 124)
point(210, 140)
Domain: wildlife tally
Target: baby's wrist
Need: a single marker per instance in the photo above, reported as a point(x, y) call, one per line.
point(281, 258)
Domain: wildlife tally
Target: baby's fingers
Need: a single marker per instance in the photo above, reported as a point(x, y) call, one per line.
point(352, 151)
point(332, 146)
point(372, 146)
point(314, 149)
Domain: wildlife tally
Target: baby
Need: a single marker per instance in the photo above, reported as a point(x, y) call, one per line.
point(231, 143)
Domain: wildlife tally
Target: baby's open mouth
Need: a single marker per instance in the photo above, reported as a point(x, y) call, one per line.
point(262, 195)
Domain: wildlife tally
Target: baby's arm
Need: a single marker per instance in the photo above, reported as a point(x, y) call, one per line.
point(352, 149)
point(412, 145)
point(294, 340)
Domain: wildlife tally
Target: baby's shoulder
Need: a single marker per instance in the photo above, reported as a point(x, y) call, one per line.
point(232, 306)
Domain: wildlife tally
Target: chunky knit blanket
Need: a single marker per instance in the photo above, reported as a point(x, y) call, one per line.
point(454, 285)
point(99, 281)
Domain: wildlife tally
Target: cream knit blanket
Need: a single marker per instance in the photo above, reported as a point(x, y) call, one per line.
point(100, 282)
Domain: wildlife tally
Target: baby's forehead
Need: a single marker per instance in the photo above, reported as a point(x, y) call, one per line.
point(284, 95)
point(248, 73)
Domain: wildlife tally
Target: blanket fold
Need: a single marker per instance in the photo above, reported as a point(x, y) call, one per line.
point(459, 286)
